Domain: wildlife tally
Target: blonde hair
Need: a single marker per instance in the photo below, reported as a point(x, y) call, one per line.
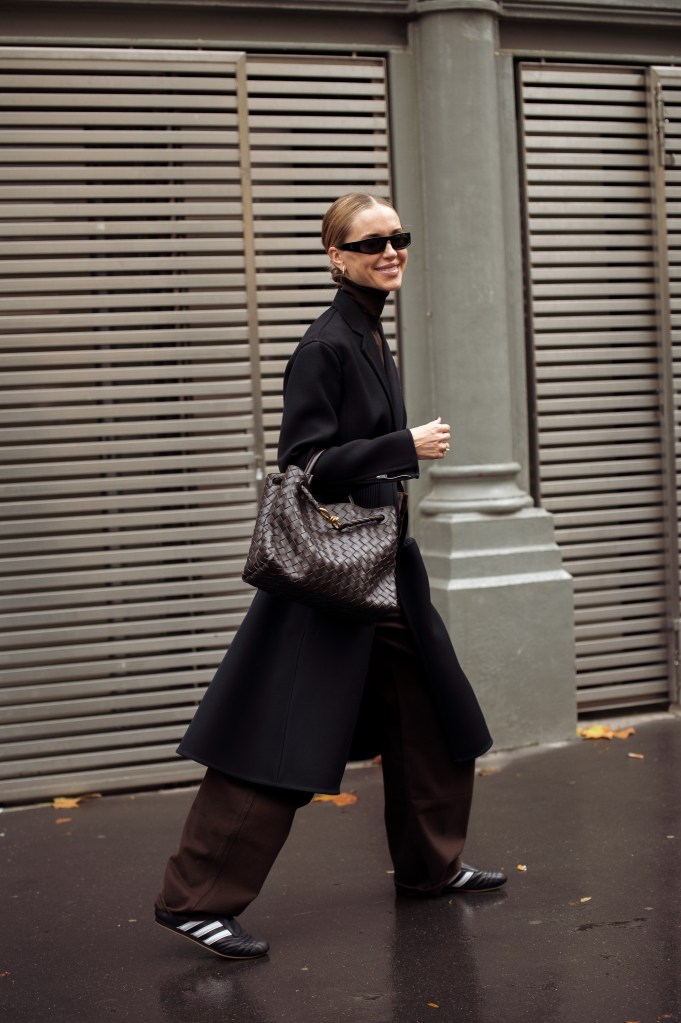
point(339, 217)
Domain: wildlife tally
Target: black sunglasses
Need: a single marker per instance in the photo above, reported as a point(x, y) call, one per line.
point(372, 246)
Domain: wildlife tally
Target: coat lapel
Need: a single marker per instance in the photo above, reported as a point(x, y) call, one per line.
point(394, 384)
point(386, 375)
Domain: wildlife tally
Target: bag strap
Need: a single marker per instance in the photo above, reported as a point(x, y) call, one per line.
point(309, 468)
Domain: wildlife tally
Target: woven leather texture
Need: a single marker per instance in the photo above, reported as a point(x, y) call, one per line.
point(297, 553)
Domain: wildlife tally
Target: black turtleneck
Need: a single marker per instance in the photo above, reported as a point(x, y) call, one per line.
point(371, 302)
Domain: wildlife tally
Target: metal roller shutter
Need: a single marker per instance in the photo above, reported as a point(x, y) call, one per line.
point(127, 423)
point(593, 313)
point(159, 249)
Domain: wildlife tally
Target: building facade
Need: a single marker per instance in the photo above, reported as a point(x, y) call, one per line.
point(164, 169)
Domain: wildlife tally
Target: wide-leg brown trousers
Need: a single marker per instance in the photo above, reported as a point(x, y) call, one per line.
point(235, 829)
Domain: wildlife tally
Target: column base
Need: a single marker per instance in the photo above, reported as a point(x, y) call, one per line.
point(498, 582)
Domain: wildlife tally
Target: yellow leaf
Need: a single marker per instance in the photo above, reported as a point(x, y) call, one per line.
point(71, 802)
point(605, 732)
point(636, 756)
point(587, 898)
point(433, 1005)
point(521, 866)
point(342, 799)
point(594, 732)
point(63, 820)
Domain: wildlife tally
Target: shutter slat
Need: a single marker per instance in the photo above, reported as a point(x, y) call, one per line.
point(132, 776)
point(75, 137)
point(130, 191)
point(124, 118)
point(96, 599)
point(150, 611)
point(96, 86)
point(82, 247)
point(63, 229)
point(46, 270)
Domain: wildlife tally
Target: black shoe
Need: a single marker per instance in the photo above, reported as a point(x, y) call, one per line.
point(222, 935)
point(470, 879)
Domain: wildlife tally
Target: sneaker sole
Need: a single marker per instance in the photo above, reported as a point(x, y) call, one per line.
point(472, 891)
point(405, 893)
point(207, 948)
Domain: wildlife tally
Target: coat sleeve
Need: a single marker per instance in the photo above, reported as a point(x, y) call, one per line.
point(313, 392)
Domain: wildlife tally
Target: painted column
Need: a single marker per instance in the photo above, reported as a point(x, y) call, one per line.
point(495, 569)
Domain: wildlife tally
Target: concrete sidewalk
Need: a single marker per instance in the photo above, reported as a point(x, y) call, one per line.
point(588, 821)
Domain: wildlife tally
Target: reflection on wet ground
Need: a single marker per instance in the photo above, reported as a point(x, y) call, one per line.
point(589, 932)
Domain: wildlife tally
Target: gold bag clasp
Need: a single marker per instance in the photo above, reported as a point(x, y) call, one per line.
point(333, 519)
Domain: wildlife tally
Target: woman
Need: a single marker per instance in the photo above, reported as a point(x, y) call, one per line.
point(300, 691)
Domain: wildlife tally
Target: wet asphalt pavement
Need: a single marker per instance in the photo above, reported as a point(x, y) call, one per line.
point(589, 932)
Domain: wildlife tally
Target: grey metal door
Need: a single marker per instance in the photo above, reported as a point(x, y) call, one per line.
point(594, 312)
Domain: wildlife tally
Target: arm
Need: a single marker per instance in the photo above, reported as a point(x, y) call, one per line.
point(313, 394)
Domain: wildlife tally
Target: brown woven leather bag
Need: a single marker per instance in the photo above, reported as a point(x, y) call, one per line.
point(338, 557)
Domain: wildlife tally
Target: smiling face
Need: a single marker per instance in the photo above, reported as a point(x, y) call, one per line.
point(383, 271)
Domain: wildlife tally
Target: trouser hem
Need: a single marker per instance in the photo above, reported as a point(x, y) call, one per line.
point(419, 893)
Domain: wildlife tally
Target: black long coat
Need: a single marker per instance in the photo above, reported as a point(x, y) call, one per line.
point(285, 703)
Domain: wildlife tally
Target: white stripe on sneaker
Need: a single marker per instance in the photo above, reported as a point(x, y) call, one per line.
point(190, 924)
point(466, 876)
point(216, 937)
point(207, 929)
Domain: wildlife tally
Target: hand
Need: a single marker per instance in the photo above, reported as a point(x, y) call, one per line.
point(432, 440)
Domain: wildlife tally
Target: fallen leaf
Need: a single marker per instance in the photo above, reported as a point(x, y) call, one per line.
point(63, 820)
point(484, 772)
point(342, 799)
point(587, 898)
point(521, 866)
point(433, 1005)
point(6, 973)
point(636, 756)
point(605, 732)
point(71, 802)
